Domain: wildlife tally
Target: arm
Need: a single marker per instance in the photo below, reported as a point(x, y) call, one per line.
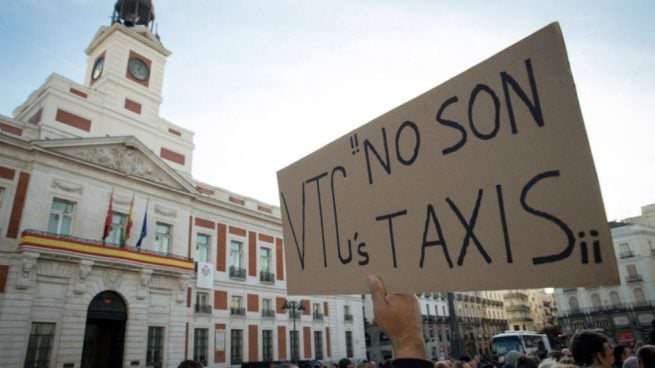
point(399, 317)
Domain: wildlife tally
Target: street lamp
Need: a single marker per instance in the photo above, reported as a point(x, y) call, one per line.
point(294, 306)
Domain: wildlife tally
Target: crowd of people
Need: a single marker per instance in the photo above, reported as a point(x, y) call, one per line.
point(399, 317)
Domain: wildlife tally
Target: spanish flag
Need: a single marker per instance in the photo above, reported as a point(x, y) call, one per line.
point(107, 229)
point(130, 217)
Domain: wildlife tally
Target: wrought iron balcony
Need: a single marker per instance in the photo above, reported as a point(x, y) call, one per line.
point(626, 254)
point(317, 316)
point(237, 273)
point(294, 314)
point(203, 308)
point(268, 313)
point(237, 311)
point(634, 278)
point(71, 246)
point(266, 277)
point(348, 317)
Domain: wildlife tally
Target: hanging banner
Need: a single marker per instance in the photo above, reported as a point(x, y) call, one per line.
point(205, 275)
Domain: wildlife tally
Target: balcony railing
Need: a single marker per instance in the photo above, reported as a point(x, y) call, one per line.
point(203, 308)
point(268, 313)
point(237, 273)
point(634, 278)
point(56, 244)
point(317, 316)
point(237, 311)
point(348, 317)
point(266, 277)
point(626, 254)
point(293, 314)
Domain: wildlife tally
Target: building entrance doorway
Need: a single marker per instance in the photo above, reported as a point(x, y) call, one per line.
point(105, 331)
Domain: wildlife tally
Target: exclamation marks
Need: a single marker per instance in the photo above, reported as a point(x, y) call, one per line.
point(584, 252)
point(354, 144)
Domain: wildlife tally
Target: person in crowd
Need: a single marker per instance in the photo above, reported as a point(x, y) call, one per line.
point(441, 364)
point(541, 350)
point(555, 355)
point(652, 332)
point(510, 359)
point(621, 352)
point(526, 362)
point(646, 356)
point(346, 363)
point(566, 353)
point(631, 362)
point(591, 349)
point(547, 363)
point(399, 317)
point(190, 364)
point(567, 360)
point(461, 364)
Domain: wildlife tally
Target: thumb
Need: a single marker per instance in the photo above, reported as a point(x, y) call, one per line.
point(378, 292)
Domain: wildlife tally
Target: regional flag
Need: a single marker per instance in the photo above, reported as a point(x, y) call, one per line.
point(144, 228)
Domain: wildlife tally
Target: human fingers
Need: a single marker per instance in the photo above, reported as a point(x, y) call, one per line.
point(378, 291)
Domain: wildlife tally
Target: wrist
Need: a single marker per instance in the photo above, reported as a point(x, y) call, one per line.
point(410, 347)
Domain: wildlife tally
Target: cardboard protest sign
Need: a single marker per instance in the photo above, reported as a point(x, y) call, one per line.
point(484, 182)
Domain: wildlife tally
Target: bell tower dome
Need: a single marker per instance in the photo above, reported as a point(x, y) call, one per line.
point(132, 13)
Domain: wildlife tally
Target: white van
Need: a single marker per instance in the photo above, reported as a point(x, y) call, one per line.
point(525, 342)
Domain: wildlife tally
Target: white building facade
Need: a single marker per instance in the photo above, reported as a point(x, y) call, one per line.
point(623, 312)
point(112, 255)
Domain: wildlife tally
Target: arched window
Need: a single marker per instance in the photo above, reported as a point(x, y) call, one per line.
point(615, 298)
point(639, 295)
point(573, 303)
point(595, 300)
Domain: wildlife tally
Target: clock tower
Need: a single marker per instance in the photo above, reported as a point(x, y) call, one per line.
point(126, 59)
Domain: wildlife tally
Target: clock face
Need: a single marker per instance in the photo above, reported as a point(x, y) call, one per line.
point(138, 69)
point(97, 68)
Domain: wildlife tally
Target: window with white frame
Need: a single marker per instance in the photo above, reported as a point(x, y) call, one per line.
point(349, 344)
point(155, 347)
point(236, 253)
point(117, 230)
point(624, 250)
point(236, 346)
point(615, 298)
point(267, 345)
point(200, 345)
point(318, 345)
point(40, 344)
point(61, 216)
point(236, 306)
point(202, 247)
point(265, 264)
point(162, 237)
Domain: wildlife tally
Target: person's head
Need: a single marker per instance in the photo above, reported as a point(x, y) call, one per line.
point(556, 355)
point(567, 360)
point(566, 352)
point(441, 364)
point(461, 364)
point(511, 357)
point(287, 365)
point(189, 364)
point(591, 349)
point(525, 362)
point(630, 362)
point(345, 363)
point(646, 356)
point(547, 363)
point(620, 353)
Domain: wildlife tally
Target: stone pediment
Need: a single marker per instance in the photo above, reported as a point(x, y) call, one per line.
point(127, 156)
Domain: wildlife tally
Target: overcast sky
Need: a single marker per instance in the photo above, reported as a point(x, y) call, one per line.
point(263, 83)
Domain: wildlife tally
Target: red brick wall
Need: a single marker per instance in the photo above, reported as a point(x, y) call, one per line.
point(253, 347)
point(252, 253)
point(73, 120)
point(19, 203)
point(279, 302)
point(219, 356)
point(205, 223)
point(307, 341)
point(325, 308)
point(279, 255)
point(186, 341)
point(253, 303)
point(77, 92)
point(172, 156)
point(188, 297)
point(221, 248)
point(265, 238)
point(190, 233)
point(7, 173)
point(11, 129)
point(281, 343)
point(174, 132)
point(4, 274)
point(132, 106)
point(220, 299)
point(327, 341)
point(237, 231)
point(305, 304)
